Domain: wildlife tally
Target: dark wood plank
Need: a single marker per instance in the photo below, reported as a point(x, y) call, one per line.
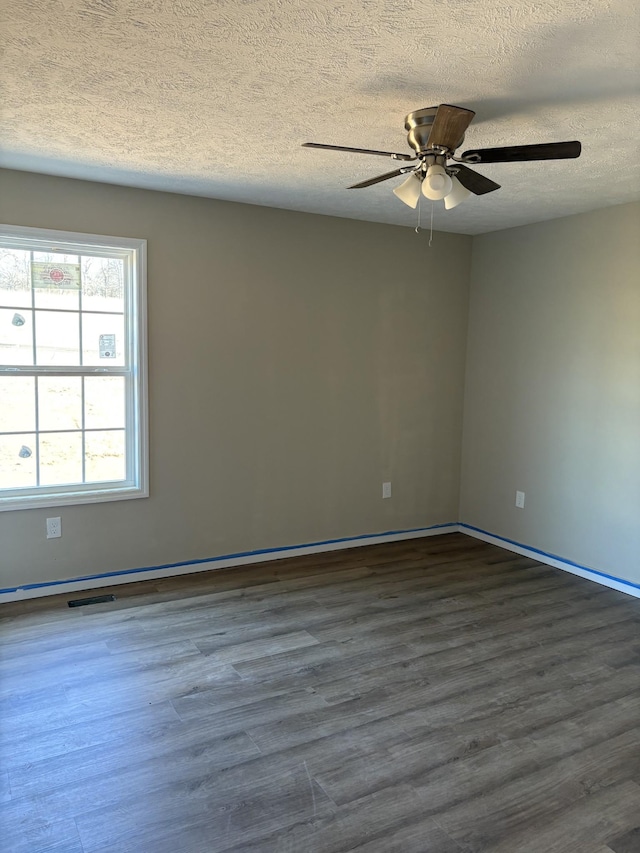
point(499, 811)
point(628, 842)
point(45, 836)
point(5, 788)
point(424, 835)
point(438, 694)
point(584, 826)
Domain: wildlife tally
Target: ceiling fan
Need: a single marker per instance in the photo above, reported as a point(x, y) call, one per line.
point(435, 134)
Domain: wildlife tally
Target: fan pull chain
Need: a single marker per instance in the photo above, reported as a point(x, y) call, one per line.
point(419, 209)
point(431, 231)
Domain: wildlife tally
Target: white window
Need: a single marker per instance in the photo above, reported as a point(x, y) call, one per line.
point(73, 414)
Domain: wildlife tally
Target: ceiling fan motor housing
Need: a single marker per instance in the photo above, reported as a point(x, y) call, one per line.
point(418, 124)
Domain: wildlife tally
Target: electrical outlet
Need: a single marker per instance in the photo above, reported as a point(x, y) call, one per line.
point(54, 528)
point(520, 500)
point(386, 490)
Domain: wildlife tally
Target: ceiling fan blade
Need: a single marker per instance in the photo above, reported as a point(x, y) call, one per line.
point(522, 153)
point(449, 126)
point(358, 150)
point(371, 181)
point(474, 181)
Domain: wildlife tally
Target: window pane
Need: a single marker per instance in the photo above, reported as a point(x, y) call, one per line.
point(103, 339)
point(105, 456)
point(55, 279)
point(104, 402)
point(60, 458)
point(17, 404)
point(60, 402)
point(57, 338)
point(16, 336)
point(17, 461)
point(72, 377)
point(103, 284)
point(15, 287)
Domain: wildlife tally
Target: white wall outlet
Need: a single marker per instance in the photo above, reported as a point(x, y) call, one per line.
point(386, 490)
point(54, 528)
point(520, 500)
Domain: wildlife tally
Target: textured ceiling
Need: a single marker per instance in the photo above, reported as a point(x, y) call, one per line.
point(214, 97)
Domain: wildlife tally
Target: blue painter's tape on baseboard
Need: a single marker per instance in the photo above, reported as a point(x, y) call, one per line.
point(588, 569)
point(238, 555)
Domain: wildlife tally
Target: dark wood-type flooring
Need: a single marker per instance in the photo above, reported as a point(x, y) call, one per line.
point(431, 696)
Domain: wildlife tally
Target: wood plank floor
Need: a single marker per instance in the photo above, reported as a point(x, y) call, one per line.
point(431, 696)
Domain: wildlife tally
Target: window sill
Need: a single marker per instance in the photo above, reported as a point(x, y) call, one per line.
point(69, 498)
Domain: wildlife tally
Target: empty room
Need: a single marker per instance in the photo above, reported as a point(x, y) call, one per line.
point(319, 427)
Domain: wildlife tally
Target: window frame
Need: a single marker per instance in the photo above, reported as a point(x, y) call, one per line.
point(134, 254)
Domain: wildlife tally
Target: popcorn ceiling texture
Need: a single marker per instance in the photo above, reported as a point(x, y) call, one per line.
point(214, 97)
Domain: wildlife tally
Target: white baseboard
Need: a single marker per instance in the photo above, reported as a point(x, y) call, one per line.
point(229, 561)
point(171, 570)
point(552, 560)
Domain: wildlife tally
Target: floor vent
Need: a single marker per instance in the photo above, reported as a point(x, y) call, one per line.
point(97, 599)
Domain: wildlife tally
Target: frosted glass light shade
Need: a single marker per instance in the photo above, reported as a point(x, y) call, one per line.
point(409, 190)
point(458, 193)
point(437, 184)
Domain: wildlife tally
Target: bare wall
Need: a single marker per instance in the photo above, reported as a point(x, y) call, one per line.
point(296, 361)
point(552, 401)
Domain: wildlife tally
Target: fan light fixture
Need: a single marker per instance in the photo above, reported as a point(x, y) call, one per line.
point(457, 194)
point(437, 184)
point(409, 190)
point(434, 135)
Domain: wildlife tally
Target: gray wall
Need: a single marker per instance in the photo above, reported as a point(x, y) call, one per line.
point(552, 401)
point(296, 362)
